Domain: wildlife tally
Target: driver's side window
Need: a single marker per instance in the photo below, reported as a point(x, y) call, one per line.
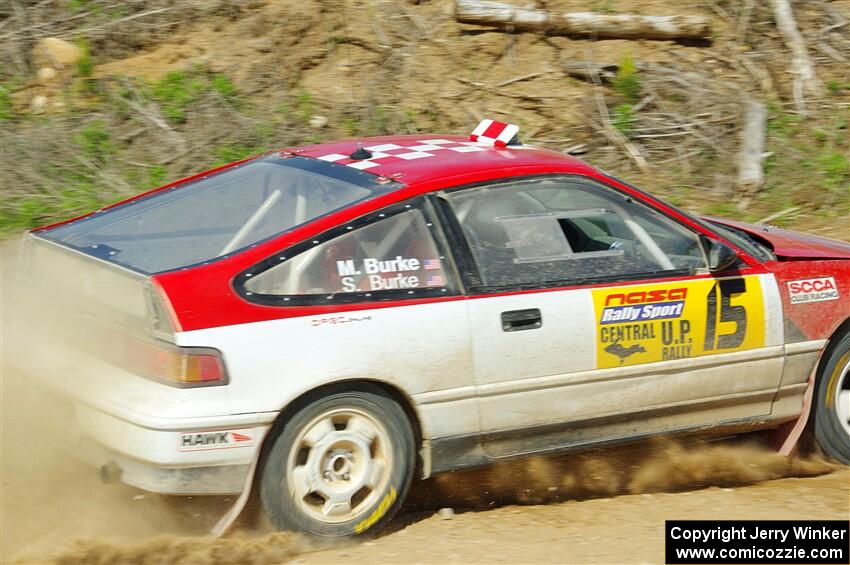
point(549, 230)
point(396, 254)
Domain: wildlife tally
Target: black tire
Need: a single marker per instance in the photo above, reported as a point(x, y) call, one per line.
point(832, 436)
point(332, 456)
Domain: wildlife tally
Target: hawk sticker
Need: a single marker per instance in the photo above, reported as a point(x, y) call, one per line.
point(222, 439)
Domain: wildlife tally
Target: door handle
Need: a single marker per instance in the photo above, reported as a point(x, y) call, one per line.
point(519, 320)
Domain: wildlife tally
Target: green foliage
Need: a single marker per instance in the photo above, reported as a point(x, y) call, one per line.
point(29, 211)
point(627, 81)
point(680, 195)
point(833, 166)
point(407, 121)
point(224, 86)
point(809, 163)
point(93, 173)
point(624, 118)
point(79, 192)
point(605, 6)
point(351, 126)
point(178, 90)
point(6, 112)
point(85, 65)
point(377, 122)
point(156, 176)
point(304, 105)
point(723, 209)
point(836, 88)
point(94, 142)
point(784, 124)
point(175, 92)
point(233, 152)
point(256, 141)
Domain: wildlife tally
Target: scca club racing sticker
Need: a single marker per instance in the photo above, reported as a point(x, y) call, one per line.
point(663, 322)
point(812, 290)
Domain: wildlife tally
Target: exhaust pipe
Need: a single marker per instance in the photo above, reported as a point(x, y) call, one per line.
point(110, 473)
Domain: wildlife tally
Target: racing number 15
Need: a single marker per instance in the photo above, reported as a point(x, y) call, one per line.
point(726, 288)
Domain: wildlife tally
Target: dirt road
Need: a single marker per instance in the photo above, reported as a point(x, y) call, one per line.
point(624, 529)
point(580, 508)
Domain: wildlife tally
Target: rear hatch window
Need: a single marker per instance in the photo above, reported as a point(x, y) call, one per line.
point(217, 215)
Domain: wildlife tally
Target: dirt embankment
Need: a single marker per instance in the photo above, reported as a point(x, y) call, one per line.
point(174, 91)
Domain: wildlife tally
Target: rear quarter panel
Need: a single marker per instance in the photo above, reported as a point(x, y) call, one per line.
point(421, 348)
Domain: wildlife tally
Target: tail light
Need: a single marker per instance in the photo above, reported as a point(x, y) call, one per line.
point(177, 366)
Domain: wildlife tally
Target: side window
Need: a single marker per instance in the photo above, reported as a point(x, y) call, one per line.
point(397, 254)
point(544, 231)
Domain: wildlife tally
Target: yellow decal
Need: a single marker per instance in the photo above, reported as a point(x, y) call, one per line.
point(377, 513)
point(661, 322)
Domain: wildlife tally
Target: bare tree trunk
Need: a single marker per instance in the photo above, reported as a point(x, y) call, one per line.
point(805, 79)
point(750, 172)
point(625, 26)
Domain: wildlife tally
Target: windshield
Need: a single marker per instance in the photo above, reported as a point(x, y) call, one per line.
point(738, 237)
point(217, 215)
point(743, 240)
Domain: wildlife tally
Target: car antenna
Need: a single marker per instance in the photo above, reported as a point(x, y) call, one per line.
point(361, 153)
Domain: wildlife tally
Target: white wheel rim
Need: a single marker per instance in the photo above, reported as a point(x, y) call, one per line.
point(842, 399)
point(339, 465)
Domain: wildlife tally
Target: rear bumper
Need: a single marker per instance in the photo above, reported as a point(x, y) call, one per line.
point(114, 467)
point(168, 455)
point(194, 459)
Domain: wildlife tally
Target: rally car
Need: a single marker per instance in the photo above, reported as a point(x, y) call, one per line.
point(326, 323)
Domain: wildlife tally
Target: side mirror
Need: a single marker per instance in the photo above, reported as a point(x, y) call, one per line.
point(720, 256)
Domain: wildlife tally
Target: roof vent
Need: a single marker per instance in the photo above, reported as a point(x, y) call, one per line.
point(360, 153)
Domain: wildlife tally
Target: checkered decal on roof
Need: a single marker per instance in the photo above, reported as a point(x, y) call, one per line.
point(390, 152)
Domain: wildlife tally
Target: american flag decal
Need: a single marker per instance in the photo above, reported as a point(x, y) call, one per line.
point(435, 280)
point(431, 264)
point(498, 134)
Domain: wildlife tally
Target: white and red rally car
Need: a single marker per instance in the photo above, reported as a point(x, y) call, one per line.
point(336, 320)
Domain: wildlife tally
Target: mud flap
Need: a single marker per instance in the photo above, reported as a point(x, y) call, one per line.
point(229, 518)
point(784, 438)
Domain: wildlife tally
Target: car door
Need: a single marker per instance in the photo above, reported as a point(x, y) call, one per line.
point(594, 317)
point(376, 299)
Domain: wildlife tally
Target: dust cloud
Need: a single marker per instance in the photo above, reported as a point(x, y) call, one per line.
point(54, 509)
point(657, 465)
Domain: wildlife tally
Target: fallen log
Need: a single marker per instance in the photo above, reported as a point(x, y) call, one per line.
point(587, 70)
point(750, 172)
point(623, 26)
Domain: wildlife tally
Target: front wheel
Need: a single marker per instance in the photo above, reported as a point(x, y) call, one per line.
point(832, 402)
point(340, 466)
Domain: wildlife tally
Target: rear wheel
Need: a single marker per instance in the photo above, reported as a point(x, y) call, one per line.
point(339, 467)
point(832, 402)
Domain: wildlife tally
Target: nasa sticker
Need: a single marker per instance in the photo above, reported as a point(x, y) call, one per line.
point(812, 290)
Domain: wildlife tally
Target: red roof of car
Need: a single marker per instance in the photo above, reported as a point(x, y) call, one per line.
point(412, 159)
